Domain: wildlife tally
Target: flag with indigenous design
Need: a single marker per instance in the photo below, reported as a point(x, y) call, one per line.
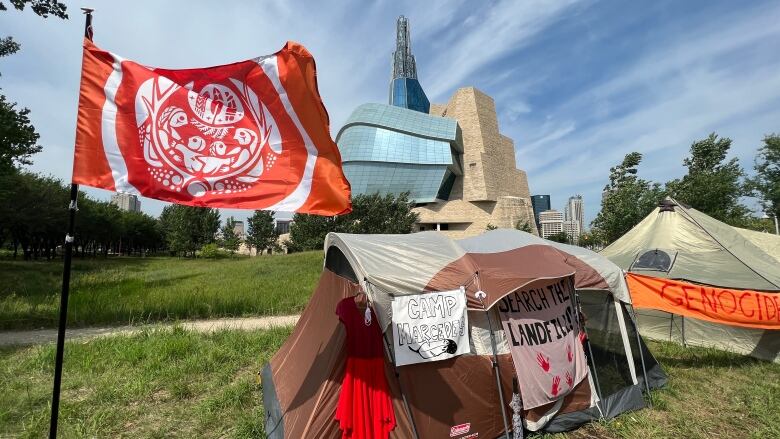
point(253, 134)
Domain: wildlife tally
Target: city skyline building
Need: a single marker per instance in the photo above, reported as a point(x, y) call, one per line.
point(239, 230)
point(282, 226)
point(126, 202)
point(540, 203)
point(405, 88)
point(551, 222)
point(573, 229)
point(575, 211)
point(452, 159)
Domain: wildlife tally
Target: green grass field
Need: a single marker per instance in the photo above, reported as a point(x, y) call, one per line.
point(174, 383)
point(157, 384)
point(140, 290)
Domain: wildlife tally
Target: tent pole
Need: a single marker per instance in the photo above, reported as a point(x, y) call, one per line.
point(682, 324)
point(398, 377)
point(587, 342)
point(498, 372)
point(496, 368)
point(641, 356)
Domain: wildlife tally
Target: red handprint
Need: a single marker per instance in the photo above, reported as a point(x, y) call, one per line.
point(569, 354)
point(556, 381)
point(544, 363)
point(569, 379)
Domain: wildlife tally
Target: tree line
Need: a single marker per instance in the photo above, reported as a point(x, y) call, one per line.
point(712, 184)
point(34, 215)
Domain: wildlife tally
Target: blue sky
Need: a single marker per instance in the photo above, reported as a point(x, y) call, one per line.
point(577, 84)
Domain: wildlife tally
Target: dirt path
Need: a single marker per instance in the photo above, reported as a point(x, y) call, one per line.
point(38, 336)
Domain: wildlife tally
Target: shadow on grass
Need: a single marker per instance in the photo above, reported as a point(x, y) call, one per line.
point(673, 355)
point(34, 278)
point(113, 285)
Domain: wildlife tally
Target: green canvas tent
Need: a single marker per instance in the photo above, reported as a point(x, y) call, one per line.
point(681, 243)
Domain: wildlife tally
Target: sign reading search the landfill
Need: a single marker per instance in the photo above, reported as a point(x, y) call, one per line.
point(541, 326)
point(430, 327)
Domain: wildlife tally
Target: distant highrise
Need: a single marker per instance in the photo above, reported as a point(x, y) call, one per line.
point(127, 202)
point(551, 222)
point(540, 203)
point(572, 228)
point(405, 89)
point(575, 211)
point(282, 226)
point(238, 229)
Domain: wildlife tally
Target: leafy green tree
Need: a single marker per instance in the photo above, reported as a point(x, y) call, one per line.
point(37, 225)
point(523, 226)
point(370, 214)
point(766, 183)
point(307, 232)
point(759, 224)
point(187, 228)
point(381, 214)
point(626, 200)
point(230, 240)
point(713, 185)
point(561, 237)
point(261, 233)
point(18, 139)
point(44, 8)
point(33, 213)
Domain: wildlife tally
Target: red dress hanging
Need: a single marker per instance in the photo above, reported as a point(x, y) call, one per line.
point(365, 410)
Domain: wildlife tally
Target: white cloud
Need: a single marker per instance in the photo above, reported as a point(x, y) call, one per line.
point(486, 35)
point(692, 84)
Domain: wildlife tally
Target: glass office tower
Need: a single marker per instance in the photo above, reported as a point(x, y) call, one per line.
point(540, 204)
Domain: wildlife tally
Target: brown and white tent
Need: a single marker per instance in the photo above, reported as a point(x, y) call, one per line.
point(301, 383)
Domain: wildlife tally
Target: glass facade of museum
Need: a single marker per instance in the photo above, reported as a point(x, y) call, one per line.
point(408, 93)
point(388, 149)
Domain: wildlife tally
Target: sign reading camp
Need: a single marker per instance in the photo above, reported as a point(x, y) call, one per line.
point(430, 327)
point(541, 326)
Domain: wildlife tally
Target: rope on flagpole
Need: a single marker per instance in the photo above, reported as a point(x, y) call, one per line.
point(67, 259)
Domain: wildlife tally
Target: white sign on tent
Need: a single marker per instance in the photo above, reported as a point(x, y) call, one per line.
point(430, 327)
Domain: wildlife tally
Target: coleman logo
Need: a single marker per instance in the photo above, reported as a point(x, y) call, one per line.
point(460, 429)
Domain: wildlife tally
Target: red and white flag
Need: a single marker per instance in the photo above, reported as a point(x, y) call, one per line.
point(253, 134)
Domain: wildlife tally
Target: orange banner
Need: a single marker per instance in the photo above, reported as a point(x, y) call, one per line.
point(751, 309)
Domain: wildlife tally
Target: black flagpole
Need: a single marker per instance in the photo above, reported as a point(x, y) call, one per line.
point(72, 208)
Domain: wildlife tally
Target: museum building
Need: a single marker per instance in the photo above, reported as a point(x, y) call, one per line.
point(451, 158)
